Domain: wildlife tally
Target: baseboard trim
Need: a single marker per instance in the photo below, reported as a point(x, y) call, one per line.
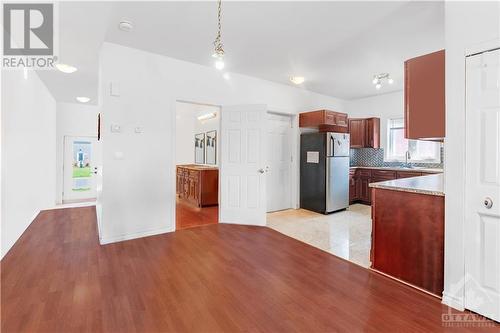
point(453, 302)
point(139, 234)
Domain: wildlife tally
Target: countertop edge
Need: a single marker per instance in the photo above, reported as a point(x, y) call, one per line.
point(406, 189)
point(417, 169)
point(428, 184)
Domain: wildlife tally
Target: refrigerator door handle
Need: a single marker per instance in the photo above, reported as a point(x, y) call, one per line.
point(332, 145)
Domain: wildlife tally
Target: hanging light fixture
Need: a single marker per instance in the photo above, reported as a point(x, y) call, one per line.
point(218, 45)
point(377, 80)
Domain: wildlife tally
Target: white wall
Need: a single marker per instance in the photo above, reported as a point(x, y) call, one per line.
point(187, 125)
point(28, 152)
point(384, 106)
point(138, 191)
point(466, 24)
point(72, 120)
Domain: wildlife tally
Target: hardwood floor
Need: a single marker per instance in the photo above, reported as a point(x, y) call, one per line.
point(216, 278)
point(188, 216)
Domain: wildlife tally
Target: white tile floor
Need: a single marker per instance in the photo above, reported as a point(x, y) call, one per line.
point(346, 234)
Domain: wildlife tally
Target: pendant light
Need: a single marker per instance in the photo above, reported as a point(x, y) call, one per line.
point(218, 45)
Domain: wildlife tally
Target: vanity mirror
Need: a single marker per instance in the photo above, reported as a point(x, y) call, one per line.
point(211, 148)
point(199, 148)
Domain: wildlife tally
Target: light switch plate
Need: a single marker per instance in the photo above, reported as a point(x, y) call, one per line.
point(116, 128)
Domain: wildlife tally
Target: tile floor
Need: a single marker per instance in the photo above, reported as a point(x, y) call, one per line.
point(346, 234)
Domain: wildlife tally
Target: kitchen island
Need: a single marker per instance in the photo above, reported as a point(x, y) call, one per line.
point(408, 231)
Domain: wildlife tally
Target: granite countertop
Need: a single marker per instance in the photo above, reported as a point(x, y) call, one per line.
point(415, 169)
point(430, 184)
point(197, 166)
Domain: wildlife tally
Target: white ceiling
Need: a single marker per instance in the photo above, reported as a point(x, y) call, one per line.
point(337, 46)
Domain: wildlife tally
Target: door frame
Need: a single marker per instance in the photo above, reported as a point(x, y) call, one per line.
point(295, 152)
point(173, 141)
point(63, 182)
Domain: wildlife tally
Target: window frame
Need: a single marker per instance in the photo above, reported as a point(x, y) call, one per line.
point(388, 155)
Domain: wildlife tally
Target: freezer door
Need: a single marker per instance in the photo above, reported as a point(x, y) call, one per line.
point(337, 183)
point(340, 144)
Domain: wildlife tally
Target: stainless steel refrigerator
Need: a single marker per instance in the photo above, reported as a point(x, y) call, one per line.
point(324, 171)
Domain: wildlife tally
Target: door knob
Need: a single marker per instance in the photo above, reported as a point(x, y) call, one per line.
point(261, 170)
point(488, 203)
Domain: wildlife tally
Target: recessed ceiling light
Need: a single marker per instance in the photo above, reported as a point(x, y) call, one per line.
point(125, 25)
point(66, 68)
point(83, 99)
point(297, 79)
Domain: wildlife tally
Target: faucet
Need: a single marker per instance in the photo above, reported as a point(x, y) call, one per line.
point(407, 158)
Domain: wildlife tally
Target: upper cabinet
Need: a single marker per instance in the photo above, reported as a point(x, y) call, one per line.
point(324, 120)
point(365, 132)
point(425, 97)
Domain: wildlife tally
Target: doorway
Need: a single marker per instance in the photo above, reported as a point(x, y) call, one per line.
point(279, 161)
point(82, 160)
point(196, 164)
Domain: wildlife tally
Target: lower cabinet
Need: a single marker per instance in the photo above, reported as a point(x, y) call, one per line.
point(360, 178)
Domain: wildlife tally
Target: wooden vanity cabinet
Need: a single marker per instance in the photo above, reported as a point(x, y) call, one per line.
point(198, 185)
point(424, 93)
point(324, 121)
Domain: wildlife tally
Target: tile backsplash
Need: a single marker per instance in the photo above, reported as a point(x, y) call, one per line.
point(375, 158)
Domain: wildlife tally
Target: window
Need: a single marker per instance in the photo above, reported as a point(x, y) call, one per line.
point(397, 145)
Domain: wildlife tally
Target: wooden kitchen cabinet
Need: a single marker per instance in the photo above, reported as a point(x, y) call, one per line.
point(364, 132)
point(198, 185)
point(408, 174)
point(424, 92)
point(408, 237)
point(357, 133)
point(372, 133)
point(353, 186)
point(360, 178)
point(324, 121)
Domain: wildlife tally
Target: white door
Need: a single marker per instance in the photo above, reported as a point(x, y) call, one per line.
point(279, 160)
point(482, 211)
point(242, 165)
point(82, 160)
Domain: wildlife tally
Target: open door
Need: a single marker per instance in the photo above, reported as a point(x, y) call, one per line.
point(482, 187)
point(242, 165)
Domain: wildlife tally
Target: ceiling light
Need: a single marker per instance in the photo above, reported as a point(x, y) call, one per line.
point(83, 99)
point(218, 45)
point(125, 25)
point(207, 116)
point(378, 79)
point(297, 79)
point(226, 76)
point(66, 68)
